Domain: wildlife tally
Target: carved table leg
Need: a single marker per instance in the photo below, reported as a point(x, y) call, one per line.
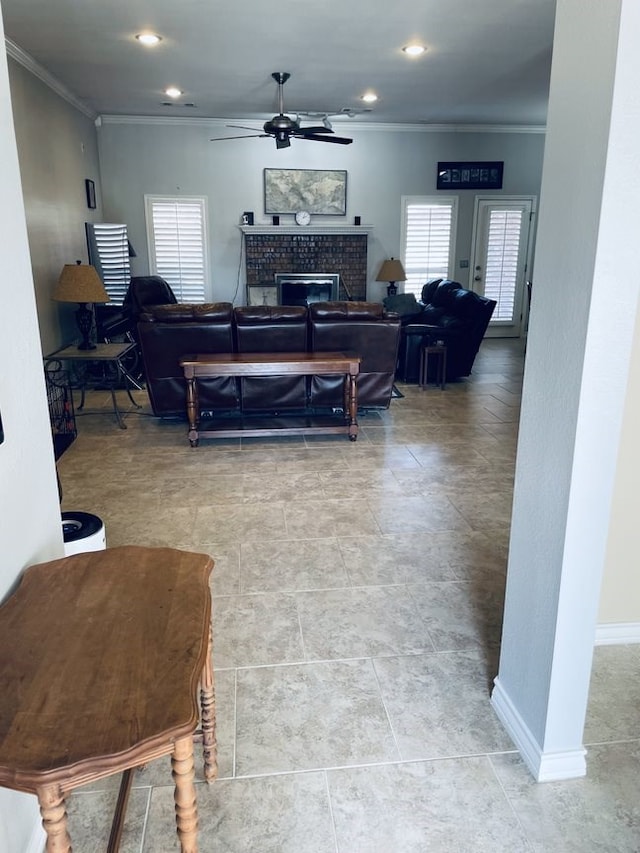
point(54, 819)
point(192, 410)
point(353, 407)
point(208, 711)
point(185, 795)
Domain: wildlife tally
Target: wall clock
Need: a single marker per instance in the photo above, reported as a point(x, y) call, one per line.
point(303, 217)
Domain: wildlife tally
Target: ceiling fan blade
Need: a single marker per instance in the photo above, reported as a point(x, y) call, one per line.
point(317, 137)
point(241, 126)
point(320, 129)
point(246, 136)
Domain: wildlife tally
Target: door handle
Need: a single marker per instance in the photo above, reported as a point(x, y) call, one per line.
point(477, 278)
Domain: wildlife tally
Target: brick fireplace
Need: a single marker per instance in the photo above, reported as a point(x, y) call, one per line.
point(328, 249)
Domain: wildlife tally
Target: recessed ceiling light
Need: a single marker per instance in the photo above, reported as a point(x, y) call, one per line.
point(369, 97)
point(173, 92)
point(414, 49)
point(148, 39)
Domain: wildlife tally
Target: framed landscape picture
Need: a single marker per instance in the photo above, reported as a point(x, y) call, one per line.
point(480, 175)
point(322, 192)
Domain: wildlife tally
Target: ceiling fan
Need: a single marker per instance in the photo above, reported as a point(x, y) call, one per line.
point(283, 128)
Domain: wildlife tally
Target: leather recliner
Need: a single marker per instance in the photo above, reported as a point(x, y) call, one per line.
point(451, 314)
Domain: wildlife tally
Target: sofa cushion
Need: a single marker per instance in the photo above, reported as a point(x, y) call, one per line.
point(346, 311)
point(185, 312)
point(263, 314)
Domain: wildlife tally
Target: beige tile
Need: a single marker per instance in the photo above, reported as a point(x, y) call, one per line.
point(319, 519)
point(238, 523)
point(438, 704)
point(362, 622)
point(420, 514)
point(392, 559)
point(594, 814)
point(292, 565)
point(253, 630)
point(614, 695)
point(450, 806)
point(308, 716)
point(276, 814)
point(90, 816)
point(462, 615)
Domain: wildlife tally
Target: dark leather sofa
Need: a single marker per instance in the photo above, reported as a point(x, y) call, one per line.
point(167, 332)
point(446, 312)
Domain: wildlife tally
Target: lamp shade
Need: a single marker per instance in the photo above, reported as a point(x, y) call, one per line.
point(79, 283)
point(391, 270)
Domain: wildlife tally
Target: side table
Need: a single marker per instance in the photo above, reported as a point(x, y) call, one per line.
point(109, 358)
point(438, 350)
point(101, 655)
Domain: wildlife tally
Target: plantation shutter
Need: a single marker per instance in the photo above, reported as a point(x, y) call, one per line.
point(503, 250)
point(176, 229)
point(428, 232)
point(109, 254)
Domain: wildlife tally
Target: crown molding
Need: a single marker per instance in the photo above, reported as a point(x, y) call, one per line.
point(28, 62)
point(253, 124)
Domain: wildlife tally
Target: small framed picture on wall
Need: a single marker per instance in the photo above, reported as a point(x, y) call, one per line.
point(90, 189)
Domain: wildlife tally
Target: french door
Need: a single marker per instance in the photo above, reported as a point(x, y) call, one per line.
point(501, 257)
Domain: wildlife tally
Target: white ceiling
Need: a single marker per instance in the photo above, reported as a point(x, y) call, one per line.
point(488, 61)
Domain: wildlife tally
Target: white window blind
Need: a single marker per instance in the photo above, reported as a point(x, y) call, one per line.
point(176, 229)
point(109, 254)
point(503, 250)
point(428, 234)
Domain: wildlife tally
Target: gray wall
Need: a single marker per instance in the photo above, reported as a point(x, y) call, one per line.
point(30, 530)
point(57, 150)
point(139, 156)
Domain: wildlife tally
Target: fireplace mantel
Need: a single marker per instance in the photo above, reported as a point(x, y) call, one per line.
point(310, 230)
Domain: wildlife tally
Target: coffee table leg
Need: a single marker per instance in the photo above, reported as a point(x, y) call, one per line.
point(54, 819)
point(208, 713)
point(353, 407)
point(185, 795)
point(192, 409)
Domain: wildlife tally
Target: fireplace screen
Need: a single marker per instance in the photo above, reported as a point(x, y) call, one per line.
point(305, 288)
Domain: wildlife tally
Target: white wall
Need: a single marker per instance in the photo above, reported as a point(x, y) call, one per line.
point(57, 150)
point(576, 382)
point(30, 530)
point(176, 157)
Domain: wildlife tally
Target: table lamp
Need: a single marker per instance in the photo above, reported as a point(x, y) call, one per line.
point(391, 271)
point(81, 283)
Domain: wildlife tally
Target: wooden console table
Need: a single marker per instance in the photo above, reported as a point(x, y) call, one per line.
point(100, 659)
point(273, 364)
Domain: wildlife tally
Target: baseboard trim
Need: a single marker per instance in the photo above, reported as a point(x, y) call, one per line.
point(617, 633)
point(544, 767)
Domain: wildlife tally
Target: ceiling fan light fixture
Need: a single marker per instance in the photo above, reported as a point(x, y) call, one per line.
point(149, 39)
point(414, 49)
point(173, 92)
point(369, 97)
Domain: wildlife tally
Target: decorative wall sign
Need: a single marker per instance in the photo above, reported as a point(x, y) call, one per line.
point(90, 189)
point(470, 176)
point(320, 191)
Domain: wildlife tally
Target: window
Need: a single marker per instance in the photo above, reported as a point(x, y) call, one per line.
point(176, 232)
point(428, 235)
point(109, 251)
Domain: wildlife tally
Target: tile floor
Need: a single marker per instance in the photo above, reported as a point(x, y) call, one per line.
point(357, 605)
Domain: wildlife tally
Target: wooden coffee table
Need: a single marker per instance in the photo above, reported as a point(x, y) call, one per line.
point(101, 655)
point(209, 365)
